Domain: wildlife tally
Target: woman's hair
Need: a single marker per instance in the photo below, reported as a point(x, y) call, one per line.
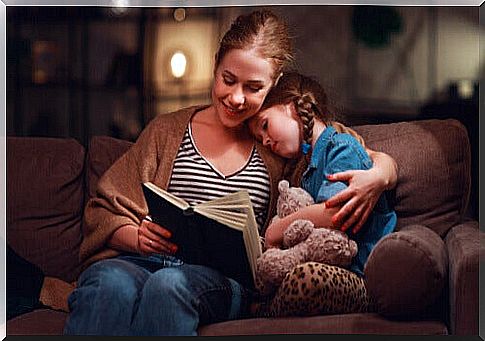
point(309, 98)
point(262, 31)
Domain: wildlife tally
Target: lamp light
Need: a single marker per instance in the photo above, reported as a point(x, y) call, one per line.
point(465, 88)
point(178, 64)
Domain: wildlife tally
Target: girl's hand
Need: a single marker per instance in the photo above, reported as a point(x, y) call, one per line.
point(152, 239)
point(358, 199)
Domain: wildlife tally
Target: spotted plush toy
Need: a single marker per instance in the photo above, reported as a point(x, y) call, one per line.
point(301, 242)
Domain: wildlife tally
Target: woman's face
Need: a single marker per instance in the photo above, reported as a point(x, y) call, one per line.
point(279, 129)
point(241, 82)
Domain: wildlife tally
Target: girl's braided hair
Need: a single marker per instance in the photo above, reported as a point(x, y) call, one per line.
point(309, 98)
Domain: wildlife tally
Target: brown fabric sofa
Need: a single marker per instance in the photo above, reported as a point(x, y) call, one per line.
point(423, 277)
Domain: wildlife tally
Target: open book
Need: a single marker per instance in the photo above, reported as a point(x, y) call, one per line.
point(220, 233)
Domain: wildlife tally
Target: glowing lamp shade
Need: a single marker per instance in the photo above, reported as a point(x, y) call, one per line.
point(178, 63)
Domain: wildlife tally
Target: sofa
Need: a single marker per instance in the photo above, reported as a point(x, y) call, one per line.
point(422, 278)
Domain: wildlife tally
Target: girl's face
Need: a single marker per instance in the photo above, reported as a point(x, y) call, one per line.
point(241, 82)
point(279, 129)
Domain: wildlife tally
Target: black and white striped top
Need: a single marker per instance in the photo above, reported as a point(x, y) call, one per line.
point(196, 180)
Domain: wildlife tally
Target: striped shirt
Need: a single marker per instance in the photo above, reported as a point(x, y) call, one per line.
point(196, 180)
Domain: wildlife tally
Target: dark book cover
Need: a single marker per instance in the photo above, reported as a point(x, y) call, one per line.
point(201, 240)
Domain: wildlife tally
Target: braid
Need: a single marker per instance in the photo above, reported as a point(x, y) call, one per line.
point(305, 107)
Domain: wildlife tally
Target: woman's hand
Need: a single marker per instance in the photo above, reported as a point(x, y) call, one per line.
point(365, 187)
point(152, 238)
point(358, 199)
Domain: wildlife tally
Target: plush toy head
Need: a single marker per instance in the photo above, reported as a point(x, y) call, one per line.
point(291, 199)
point(302, 241)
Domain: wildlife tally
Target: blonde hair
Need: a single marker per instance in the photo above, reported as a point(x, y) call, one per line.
point(263, 31)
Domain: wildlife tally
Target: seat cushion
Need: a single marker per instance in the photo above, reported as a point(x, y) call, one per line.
point(433, 158)
point(44, 208)
point(50, 322)
point(325, 324)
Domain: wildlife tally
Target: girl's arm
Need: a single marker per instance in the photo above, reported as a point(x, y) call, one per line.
point(318, 214)
point(363, 191)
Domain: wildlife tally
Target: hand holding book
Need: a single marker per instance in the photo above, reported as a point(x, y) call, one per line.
point(153, 238)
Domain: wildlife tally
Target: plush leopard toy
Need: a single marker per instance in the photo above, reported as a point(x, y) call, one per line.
point(302, 243)
point(315, 289)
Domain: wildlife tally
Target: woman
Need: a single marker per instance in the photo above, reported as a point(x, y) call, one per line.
point(132, 284)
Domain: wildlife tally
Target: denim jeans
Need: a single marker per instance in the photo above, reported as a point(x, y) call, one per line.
point(155, 295)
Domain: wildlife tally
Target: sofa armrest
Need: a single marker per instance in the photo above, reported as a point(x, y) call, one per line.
point(406, 272)
point(463, 246)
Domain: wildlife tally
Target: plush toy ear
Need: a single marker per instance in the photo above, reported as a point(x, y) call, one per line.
point(283, 186)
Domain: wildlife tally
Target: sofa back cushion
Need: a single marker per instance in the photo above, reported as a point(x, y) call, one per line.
point(44, 202)
point(433, 157)
point(103, 151)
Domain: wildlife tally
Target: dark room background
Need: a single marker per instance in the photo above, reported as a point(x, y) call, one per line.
point(84, 71)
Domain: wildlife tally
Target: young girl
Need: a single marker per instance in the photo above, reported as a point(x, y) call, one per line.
point(296, 120)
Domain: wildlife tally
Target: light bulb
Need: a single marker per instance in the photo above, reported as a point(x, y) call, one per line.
point(178, 63)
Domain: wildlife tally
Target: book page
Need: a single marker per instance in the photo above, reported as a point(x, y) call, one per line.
point(236, 211)
point(231, 210)
point(228, 218)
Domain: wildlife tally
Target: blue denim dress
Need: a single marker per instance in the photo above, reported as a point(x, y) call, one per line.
point(335, 152)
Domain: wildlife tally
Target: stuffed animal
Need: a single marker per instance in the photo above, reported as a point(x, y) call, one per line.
point(301, 242)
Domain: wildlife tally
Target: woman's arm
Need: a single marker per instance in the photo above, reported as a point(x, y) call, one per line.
point(365, 188)
point(387, 165)
point(116, 211)
point(318, 214)
point(125, 238)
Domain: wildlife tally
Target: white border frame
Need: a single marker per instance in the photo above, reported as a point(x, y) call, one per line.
point(3, 166)
point(146, 3)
